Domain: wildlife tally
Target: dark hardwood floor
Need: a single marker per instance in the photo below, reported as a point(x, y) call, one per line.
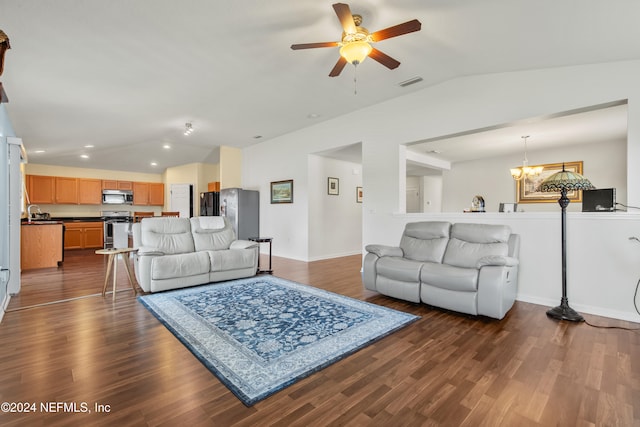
point(444, 370)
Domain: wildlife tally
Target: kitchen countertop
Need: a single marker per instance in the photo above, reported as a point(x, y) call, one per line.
point(41, 222)
point(67, 219)
point(80, 219)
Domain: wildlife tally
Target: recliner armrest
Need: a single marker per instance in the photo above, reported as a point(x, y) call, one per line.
point(142, 251)
point(242, 244)
point(497, 260)
point(384, 250)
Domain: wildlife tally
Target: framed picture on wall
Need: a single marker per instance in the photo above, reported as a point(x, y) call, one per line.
point(333, 186)
point(358, 194)
point(282, 191)
point(526, 188)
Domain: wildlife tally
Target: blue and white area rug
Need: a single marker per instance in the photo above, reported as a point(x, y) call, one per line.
point(262, 334)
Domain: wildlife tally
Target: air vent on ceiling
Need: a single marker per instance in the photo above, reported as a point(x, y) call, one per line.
point(410, 82)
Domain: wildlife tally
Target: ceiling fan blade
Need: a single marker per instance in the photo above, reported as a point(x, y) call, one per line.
point(337, 69)
point(313, 45)
point(397, 30)
point(384, 59)
point(346, 17)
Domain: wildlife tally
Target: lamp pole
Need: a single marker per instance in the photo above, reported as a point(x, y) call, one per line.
point(563, 311)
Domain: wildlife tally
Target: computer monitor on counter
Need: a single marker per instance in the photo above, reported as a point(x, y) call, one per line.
point(600, 200)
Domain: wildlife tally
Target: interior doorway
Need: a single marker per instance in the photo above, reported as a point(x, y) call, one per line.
point(181, 199)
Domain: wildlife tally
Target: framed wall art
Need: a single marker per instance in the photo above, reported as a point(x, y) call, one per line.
point(526, 188)
point(282, 191)
point(358, 194)
point(333, 186)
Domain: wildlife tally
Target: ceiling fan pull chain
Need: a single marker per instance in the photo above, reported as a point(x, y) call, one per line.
point(355, 79)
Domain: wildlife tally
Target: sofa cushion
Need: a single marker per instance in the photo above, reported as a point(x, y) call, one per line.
point(471, 242)
point(449, 277)
point(167, 235)
point(179, 265)
point(399, 268)
point(425, 241)
point(232, 259)
point(212, 233)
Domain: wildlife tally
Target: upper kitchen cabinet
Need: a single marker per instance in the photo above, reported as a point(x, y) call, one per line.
point(156, 193)
point(89, 191)
point(140, 193)
point(112, 184)
point(148, 193)
point(41, 189)
point(66, 190)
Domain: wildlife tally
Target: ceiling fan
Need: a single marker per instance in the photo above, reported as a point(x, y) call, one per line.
point(355, 44)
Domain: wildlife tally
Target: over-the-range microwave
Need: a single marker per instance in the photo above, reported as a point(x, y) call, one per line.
point(117, 197)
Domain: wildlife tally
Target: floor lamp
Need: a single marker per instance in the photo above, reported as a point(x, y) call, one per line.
point(564, 181)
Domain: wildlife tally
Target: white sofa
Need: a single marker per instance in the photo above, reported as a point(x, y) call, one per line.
point(469, 268)
point(179, 252)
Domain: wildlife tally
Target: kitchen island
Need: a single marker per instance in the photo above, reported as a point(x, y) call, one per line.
point(41, 244)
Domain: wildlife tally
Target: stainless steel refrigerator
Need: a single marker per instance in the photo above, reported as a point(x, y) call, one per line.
point(242, 208)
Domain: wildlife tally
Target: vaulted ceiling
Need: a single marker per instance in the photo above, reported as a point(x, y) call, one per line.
point(124, 76)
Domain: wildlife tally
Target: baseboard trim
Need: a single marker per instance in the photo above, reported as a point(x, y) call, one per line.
point(587, 309)
point(332, 256)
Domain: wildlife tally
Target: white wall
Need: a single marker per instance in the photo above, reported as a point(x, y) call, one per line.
point(6, 130)
point(335, 222)
point(451, 107)
point(604, 164)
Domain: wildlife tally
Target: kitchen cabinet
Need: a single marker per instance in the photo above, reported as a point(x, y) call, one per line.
point(112, 184)
point(40, 245)
point(84, 235)
point(89, 191)
point(41, 189)
point(140, 193)
point(49, 190)
point(66, 191)
point(156, 194)
point(148, 193)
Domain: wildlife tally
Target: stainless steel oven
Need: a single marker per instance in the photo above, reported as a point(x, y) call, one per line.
point(115, 223)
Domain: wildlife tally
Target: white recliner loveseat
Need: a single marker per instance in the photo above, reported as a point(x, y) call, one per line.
point(468, 268)
point(179, 252)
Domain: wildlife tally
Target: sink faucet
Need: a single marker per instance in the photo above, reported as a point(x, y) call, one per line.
point(29, 211)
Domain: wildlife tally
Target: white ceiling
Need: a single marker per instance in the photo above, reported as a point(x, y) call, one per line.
point(125, 75)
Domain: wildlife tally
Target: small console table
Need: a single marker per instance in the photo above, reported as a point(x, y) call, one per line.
point(263, 240)
point(113, 261)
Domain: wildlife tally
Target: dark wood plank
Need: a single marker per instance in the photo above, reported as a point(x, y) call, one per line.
point(445, 369)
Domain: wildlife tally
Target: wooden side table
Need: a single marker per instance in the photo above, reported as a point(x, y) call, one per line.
point(113, 261)
point(263, 240)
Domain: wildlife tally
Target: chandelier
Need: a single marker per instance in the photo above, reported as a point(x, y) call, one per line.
point(525, 170)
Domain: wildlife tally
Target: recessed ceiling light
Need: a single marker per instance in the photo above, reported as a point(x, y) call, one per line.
point(84, 156)
point(154, 164)
point(313, 115)
point(166, 146)
point(39, 151)
point(88, 146)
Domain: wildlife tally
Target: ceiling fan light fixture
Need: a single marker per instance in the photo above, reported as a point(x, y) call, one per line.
point(356, 51)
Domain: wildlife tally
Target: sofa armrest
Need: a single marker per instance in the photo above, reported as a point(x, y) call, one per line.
point(497, 260)
point(143, 251)
point(384, 250)
point(242, 244)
